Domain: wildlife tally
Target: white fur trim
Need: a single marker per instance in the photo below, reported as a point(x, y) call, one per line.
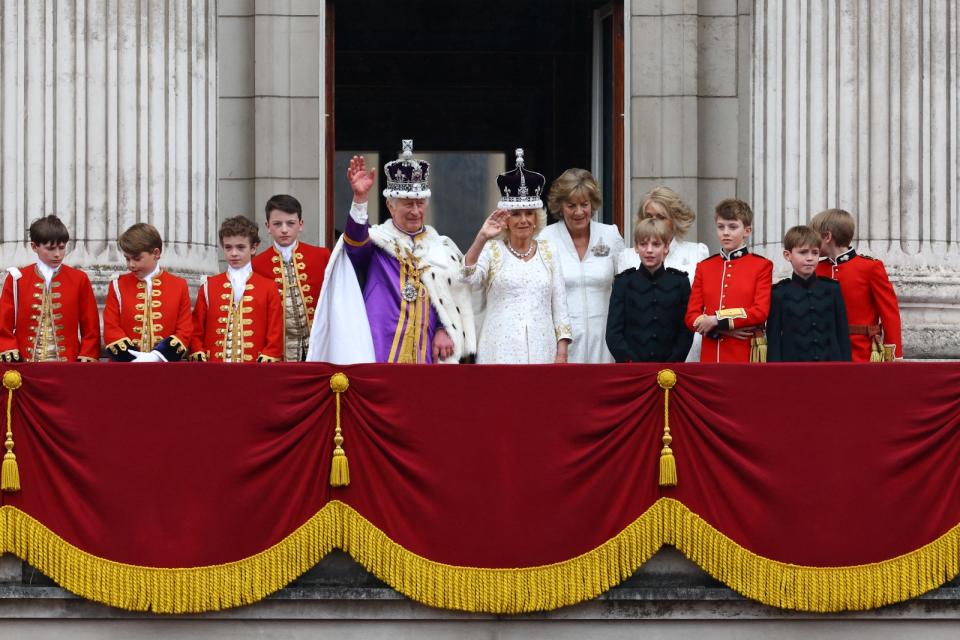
point(423, 194)
point(511, 205)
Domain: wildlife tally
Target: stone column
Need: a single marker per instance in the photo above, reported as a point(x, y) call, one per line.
point(109, 116)
point(855, 106)
point(689, 85)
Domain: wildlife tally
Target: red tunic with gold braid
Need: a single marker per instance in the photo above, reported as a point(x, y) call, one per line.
point(872, 310)
point(56, 324)
point(225, 331)
point(298, 283)
point(160, 320)
point(736, 289)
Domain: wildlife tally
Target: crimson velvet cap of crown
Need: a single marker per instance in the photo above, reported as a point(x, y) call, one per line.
point(520, 188)
point(407, 177)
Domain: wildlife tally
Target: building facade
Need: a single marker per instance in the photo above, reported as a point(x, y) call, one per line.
point(183, 113)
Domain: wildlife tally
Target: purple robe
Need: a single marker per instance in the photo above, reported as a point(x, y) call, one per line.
point(402, 331)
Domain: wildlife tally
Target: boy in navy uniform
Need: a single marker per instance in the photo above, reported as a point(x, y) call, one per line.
point(647, 305)
point(808, 320)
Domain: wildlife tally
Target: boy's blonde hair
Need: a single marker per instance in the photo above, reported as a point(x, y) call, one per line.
point(140, 238)
point(652, 228)
point(838, 222)
point(733, 209)
point(800, 236)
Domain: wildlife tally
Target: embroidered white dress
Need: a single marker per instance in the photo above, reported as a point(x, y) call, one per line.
point(588, 283)
point(526, 307)
point(683, 256)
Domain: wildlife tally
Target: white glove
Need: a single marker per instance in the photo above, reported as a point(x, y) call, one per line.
point(153, 356)
point(135, 353)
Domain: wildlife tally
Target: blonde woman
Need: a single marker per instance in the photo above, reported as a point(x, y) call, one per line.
point(526, 318)
point(664, 204)
point(587, 251)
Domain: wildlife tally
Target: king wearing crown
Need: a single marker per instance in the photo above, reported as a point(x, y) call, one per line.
point(393, 291)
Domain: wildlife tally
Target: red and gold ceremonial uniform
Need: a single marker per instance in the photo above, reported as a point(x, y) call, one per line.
point(244, 331)
point(136, 319)
point(298, 282)
point(735, 289)
point(55, 324)
point(872, 309)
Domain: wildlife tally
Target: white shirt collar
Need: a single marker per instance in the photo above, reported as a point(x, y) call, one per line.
point(238, 279)
point(46, 271)
point(286, 252)
point(149, 278)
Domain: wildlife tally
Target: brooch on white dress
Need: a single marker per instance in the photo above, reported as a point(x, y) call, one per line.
point(600, 250)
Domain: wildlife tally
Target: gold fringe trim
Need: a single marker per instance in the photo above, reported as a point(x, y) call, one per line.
point(505, 591)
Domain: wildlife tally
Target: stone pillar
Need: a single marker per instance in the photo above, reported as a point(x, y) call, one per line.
point(109, 117)
point(689, 84)
point(271, 136)
point(855, 106)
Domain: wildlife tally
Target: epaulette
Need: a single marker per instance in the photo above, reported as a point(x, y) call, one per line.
point(626, 271)
point(677, 272)
point(782, 282)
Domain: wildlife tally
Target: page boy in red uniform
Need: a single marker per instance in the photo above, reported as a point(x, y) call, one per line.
point(730, 297)
point(47, 309)
point(147, 313)
point(238, 316)
point(297, 269)
point(872, 309)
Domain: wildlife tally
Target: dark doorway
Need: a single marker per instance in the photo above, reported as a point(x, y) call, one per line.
point(477, 77)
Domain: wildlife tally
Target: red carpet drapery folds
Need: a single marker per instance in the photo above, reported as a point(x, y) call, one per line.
point(190, 487)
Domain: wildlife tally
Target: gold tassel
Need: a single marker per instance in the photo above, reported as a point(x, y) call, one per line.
point(761, 348)
point(10, 472)
point(666, 378)
point(876, 350)
point(340, 468)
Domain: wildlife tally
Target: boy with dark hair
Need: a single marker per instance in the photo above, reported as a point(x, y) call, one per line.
point(647, 305)
point(730, 297)
point(872, 309)
point(296, 268)
point(47, 309)
point(808, 322)
point(147, 313)
point(237, 317)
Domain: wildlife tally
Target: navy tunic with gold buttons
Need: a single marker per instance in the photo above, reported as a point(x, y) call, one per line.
point(807, 322)
point(645, 323)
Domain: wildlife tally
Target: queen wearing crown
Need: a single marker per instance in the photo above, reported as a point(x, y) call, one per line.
point(392, 291)
point(526, 319)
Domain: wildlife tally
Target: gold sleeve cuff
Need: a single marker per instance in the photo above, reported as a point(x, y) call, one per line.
point(10, 355)
point(354, 243)
point(177, 344)
point(120, 345)
point(564, 332)
point(729, 314)
point(198, 356)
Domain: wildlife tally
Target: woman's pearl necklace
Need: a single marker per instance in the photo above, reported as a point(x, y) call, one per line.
point(525, 254)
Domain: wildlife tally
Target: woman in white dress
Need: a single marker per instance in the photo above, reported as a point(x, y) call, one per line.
point(587, 251)
point(526, 318)
point(663, 203)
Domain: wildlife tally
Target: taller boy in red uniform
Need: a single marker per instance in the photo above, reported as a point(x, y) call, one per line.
point(297, 269)
point(147, 314)
point(730, 297)
point(872, 309)
point(237, 317)
point(47, 309)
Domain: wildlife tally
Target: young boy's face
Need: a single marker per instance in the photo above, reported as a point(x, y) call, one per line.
point(50, 253)
point(732, 234)
point(284, 227)
point(803, 259)
point(652, 252)
point(238, 250)
point(142, 264)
